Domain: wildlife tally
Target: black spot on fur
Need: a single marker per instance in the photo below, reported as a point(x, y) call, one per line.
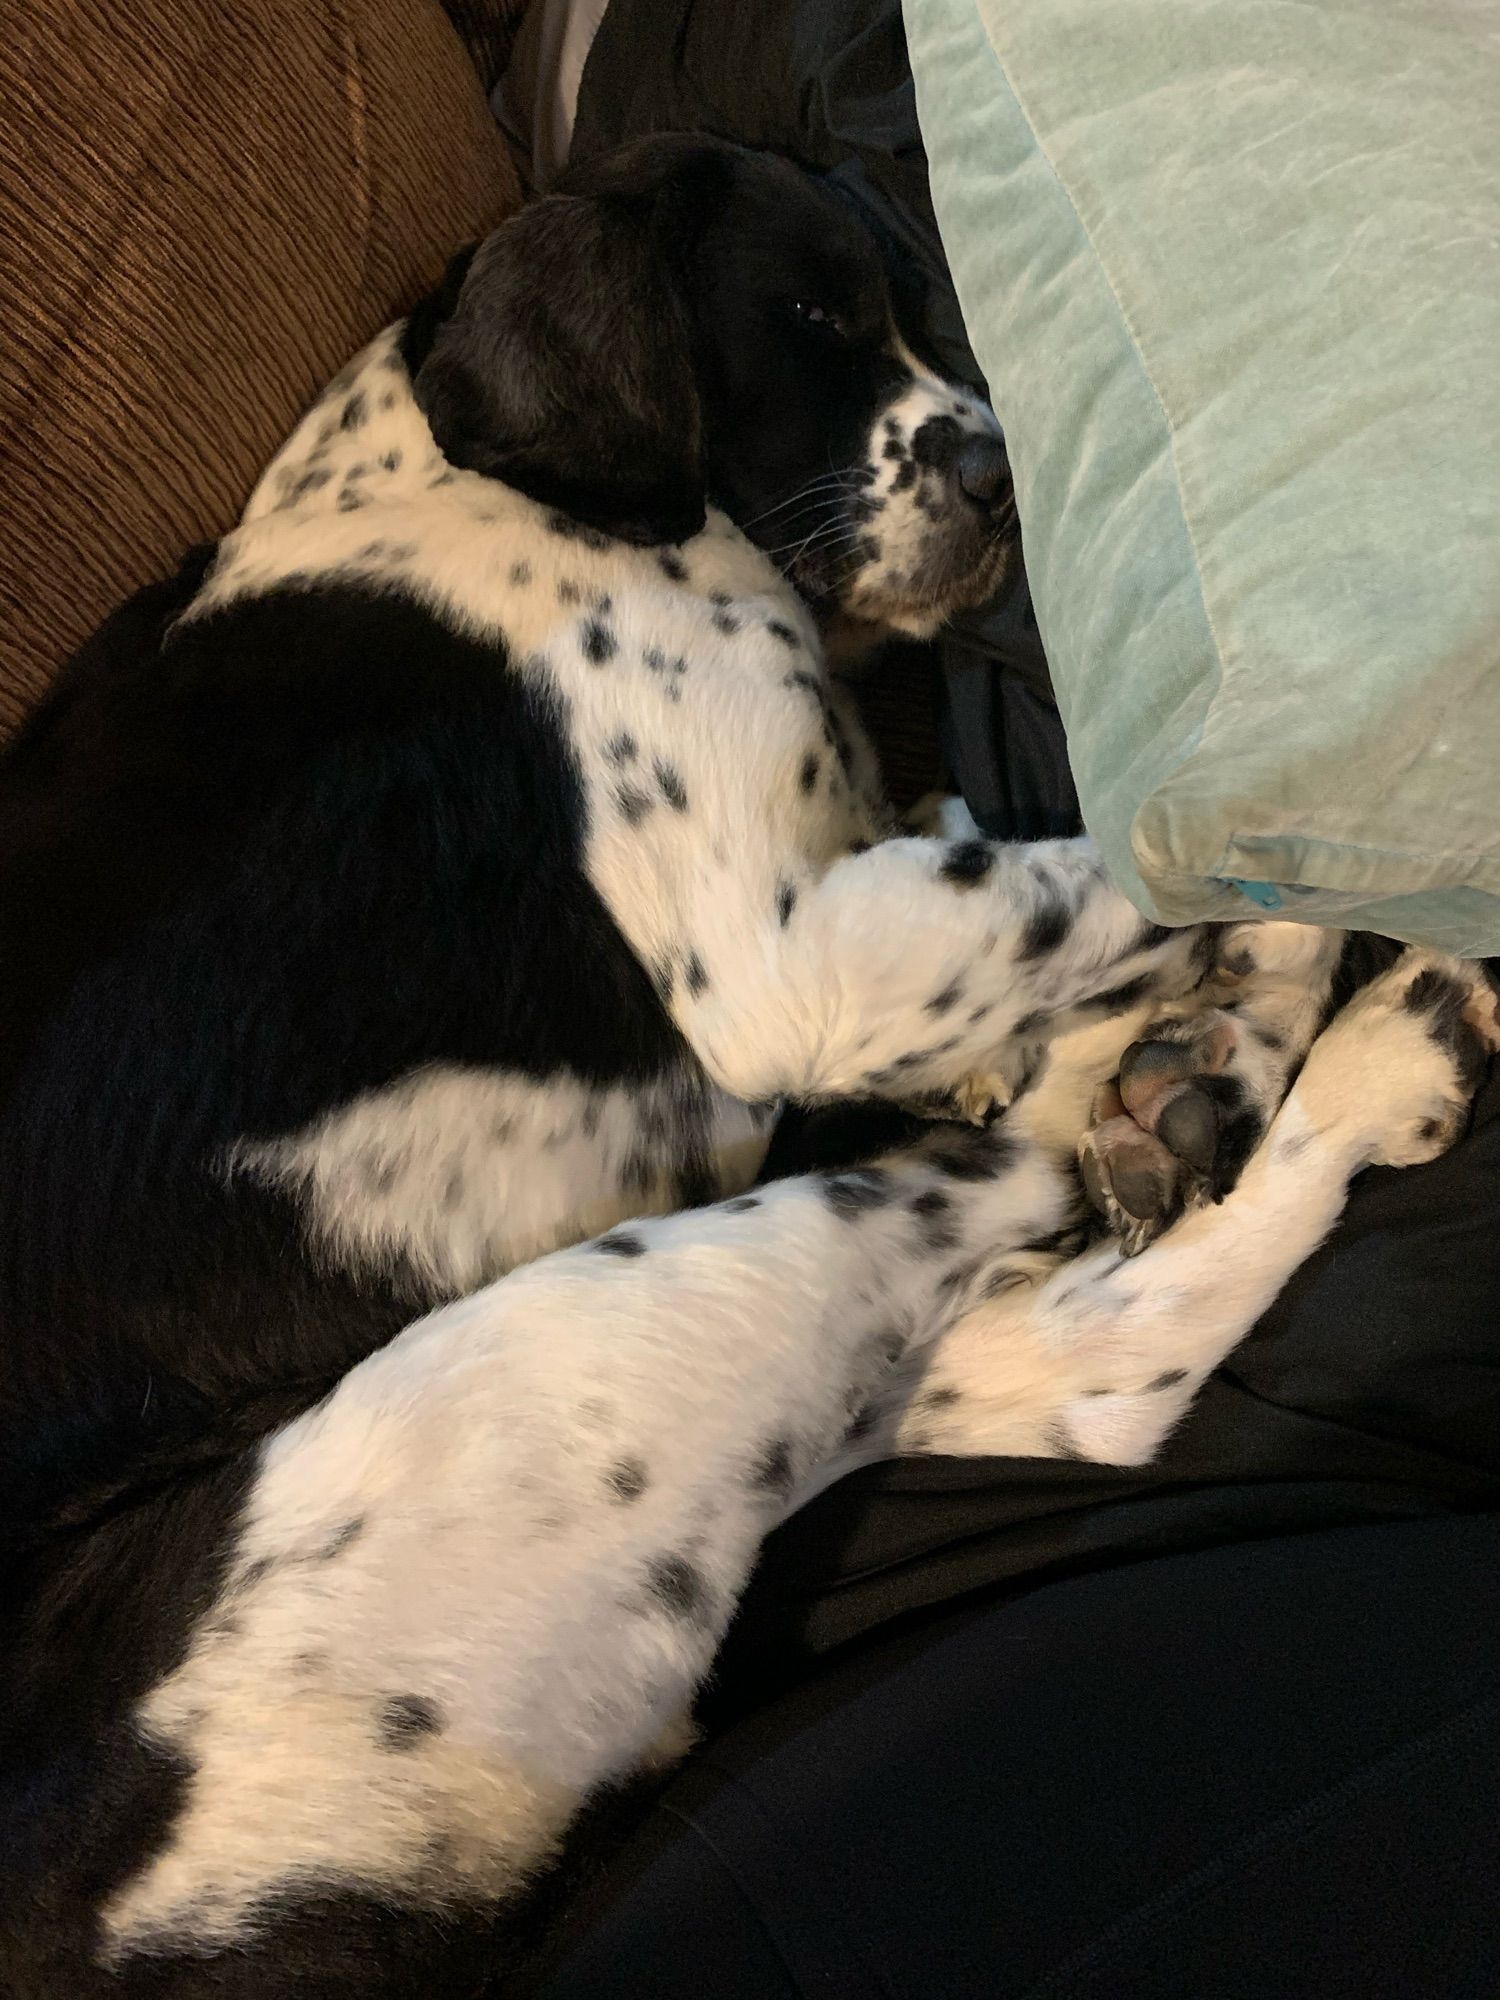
point(979, 1013)
point(672, 788)
point(742, 1204)
point(349, 501)
point(343, 1537)
point(809, 683)
point(807, 777)
point(1045, 927)
point(354, 412)
point(1119, 999)
point(627, 1479)
point(854, 1194)
point(861, 1424)
point(950, 996)
point(634, 804)
point(568, 592)
point(894, 449)
point(1441, 1001)
point(390, 461)
point(1238, 1138)
point(405, 1719)
point(906, 475)
point(576, 531)
point(779, 629)
point(620, 1243)
point(598, 642)
point(620, 749)
point(678, 1586)
point(695, 974)
point(941, 1398)
point(773, 1469)
point(786, 902)
point(936, 442)
point(671, 565)
point(1168, 1379)
point(967, 862)
point(726, 622)
point(934, 1211)
point(975, 1155)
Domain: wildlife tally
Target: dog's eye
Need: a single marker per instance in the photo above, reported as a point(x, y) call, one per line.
point(810, 313)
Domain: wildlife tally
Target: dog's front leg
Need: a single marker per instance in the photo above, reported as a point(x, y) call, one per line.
point(909, 968)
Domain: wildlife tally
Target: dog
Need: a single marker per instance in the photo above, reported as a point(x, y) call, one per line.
point(414, 913)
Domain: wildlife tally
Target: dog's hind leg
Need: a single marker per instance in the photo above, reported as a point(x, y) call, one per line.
point(482, 1580)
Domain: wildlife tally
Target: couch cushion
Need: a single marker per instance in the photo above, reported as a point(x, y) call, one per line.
point(205, 211)
point(1233, 272)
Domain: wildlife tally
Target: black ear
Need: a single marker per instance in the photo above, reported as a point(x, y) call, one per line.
point(567, 366)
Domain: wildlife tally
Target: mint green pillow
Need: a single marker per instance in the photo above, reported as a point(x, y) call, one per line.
point(1233, 271)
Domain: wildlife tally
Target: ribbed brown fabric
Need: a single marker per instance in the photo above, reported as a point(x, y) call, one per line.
point(204, 210)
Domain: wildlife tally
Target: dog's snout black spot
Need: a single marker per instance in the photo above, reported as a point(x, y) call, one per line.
point(983, 470)
point(936, 442)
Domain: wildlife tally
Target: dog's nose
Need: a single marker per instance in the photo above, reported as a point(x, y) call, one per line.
point(983, 469)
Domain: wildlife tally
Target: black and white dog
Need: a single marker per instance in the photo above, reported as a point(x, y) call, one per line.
point(458, 863)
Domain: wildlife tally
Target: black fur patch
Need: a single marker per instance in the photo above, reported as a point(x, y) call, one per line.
point(854, 1194)
point(773, 1469)
point(1119, 999)
point(620, 1243)
point(678, 1586)
point(786, 902)
point(934, 1211)
point(627, 1479)
point(405, 1719)
point(599, 644)
point(671, 565)
point(672, 788)
point(1045, 928)
point(967, 863)
point(807, 777)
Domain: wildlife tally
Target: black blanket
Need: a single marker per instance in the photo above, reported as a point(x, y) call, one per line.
point(1372, 1390)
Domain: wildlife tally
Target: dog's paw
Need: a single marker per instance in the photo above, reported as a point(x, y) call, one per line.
point(1391, 1080)
point(979, 1100)
point(1177, 1125)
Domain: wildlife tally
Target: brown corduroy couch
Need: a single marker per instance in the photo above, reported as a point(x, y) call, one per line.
point(204, 210)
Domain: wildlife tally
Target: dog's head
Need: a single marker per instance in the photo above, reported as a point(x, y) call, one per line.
point(687, 322)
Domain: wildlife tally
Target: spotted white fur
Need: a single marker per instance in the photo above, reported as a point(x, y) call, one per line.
point(734, 834)
point(486, 1574)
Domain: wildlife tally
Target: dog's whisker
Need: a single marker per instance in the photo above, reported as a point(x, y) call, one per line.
point(814, 489)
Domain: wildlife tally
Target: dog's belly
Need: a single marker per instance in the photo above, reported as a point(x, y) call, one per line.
point(456, 1175)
